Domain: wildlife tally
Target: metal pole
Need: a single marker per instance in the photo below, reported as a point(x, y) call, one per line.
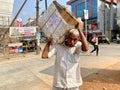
point(37, 13)
point(46, 4)
point(18, 13)
point(86, 19)
point(104, 18)
point(37, 25)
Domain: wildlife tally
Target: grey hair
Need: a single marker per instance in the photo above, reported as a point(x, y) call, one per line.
point(74, 31)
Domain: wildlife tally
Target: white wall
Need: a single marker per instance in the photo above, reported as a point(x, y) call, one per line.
point(6, 9)
point(110, 10)
point(118, 13)
point(100, 11)
point(112, 13)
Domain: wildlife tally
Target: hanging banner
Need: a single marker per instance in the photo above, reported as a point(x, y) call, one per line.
point(86, 14)
point(22, 31)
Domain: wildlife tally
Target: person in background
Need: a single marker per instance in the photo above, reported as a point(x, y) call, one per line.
point(95, 41)
point(67, 74)
point(92, 40)
point(118, 38)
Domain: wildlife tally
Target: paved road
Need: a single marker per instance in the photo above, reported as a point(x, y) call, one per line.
point(33, 73)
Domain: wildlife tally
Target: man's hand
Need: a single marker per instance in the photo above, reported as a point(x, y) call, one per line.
point(80, 25)
point(46, 49)
point(83, 39)
point(49, 40)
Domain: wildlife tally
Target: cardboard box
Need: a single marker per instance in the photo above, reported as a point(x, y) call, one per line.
point(55, 22)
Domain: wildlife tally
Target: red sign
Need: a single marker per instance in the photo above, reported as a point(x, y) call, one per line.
point(11, 51)
point(112, 1)
point(19, 24)
point(108, 1)
point(93, 27)
point(115, 1)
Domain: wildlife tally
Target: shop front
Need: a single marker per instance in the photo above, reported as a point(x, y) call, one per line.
point(24, 40)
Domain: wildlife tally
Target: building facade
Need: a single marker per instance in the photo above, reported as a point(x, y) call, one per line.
point(118, 13)
point(101, 14)
point(6, 9)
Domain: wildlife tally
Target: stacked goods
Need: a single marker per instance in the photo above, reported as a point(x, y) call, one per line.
point(56, 21)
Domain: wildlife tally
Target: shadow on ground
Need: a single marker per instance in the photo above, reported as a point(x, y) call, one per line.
point(95, 74)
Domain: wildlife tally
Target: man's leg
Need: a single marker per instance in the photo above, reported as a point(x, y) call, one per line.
point(97, 50)
point(93, 49)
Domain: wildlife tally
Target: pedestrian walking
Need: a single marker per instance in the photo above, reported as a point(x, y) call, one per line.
point(95, 44)
point(67, 74)
point(118, 38)
point(92, 40)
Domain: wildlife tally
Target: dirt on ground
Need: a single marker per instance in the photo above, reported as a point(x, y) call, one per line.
point(105, 79)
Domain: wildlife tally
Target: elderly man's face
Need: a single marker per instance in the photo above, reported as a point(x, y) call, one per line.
point(71, 40)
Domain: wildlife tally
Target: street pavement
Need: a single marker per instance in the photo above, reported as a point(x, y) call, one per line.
point(30, 72)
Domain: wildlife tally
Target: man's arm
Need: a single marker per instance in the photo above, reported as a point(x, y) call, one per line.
point(82, 37)
point(46, 50)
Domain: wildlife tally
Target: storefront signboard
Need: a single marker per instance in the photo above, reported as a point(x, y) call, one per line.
point(22, 31)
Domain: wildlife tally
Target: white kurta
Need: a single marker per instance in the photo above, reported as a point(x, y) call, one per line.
point(67, 70)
